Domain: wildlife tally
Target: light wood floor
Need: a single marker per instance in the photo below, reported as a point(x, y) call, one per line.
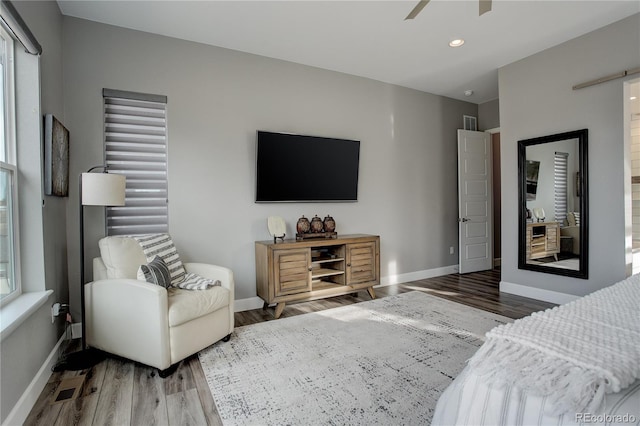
point(121, 392)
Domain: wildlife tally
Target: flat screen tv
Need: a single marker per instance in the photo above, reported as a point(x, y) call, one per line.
point(297, 168)
point(533, 169)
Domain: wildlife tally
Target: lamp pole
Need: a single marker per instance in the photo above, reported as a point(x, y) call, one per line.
point(88, 357)
point(82, 310)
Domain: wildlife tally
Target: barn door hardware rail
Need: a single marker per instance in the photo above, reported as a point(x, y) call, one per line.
point(607, 78)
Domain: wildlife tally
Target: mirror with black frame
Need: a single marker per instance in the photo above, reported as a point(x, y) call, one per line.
point(553, 204)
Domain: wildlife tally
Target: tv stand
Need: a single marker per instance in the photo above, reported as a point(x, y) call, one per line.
point(542, 240)
point(296, 271)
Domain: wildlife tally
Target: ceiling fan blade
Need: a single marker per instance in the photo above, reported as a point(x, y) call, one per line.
point(421, 4)
point(485, 6)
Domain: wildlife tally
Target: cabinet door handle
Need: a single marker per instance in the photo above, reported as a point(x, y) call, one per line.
point(310, 269)
point(349, 265)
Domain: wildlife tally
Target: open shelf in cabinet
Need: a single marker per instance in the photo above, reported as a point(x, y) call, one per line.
point(327, 254)
point(327, 265)
point(322, 272)
point(321, 285)
point(331, 260)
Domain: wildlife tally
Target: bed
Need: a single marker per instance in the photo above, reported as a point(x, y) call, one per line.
point(576, 364)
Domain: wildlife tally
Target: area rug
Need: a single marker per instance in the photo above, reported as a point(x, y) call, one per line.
point(382, 362)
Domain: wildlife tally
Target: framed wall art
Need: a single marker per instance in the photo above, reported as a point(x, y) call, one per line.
point(56, 157)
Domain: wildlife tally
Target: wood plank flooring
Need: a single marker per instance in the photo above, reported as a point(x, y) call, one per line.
point(121, 392)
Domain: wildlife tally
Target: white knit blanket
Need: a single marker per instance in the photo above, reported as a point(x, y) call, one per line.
point(572, 354)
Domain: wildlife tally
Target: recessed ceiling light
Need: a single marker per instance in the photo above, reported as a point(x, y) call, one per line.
point(456, 43)
point(468, 92)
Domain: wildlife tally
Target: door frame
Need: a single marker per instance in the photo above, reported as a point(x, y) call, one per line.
point(497, 194)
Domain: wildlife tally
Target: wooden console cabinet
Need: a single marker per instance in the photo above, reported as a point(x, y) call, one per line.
point(543, 239)
point(294, 271)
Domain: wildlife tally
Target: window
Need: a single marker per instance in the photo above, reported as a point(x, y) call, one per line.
point(560, 161)
point(136, 146)
point(9, 266)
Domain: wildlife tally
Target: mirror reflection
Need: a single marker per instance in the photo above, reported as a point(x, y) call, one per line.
point(553, 227)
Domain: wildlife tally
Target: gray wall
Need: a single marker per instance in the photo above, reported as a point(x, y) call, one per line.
point(536, 99)
point(24, 351)
point(46, 20)
point(218, 98)
point(489, 115)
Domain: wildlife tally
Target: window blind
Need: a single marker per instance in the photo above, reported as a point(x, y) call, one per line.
point(560, 162)
point(136, 146)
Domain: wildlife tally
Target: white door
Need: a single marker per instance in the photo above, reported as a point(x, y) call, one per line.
point(475, 216)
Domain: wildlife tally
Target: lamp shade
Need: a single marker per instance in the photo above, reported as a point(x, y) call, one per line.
point(103, 189)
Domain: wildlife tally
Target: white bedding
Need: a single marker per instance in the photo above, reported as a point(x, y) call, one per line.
point(470, 401)
point(575, 364)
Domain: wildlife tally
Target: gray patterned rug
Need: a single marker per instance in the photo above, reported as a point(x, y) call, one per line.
point(381, 362)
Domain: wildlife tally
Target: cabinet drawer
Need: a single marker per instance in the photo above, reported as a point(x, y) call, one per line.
point(292, 273)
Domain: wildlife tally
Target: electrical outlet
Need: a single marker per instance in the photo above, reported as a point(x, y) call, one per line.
point(55, 311)
point(451, 250)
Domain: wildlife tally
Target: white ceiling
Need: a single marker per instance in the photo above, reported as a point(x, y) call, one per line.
point(371, 38)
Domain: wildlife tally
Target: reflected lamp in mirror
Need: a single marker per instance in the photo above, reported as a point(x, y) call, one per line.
point(553, 234)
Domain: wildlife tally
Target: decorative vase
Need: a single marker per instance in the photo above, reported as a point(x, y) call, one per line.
point(329, 224)
point(303, 225)
point(316, 224)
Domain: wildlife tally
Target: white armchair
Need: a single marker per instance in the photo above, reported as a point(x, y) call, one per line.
point(572, 230)
point(147, 323)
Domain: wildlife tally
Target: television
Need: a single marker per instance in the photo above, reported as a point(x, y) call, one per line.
point(533, 168)
point(298, 168)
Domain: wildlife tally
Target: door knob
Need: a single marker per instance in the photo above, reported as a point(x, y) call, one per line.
point(464, 219)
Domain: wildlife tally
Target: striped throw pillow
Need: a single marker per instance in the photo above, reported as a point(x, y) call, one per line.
point(196, 282)
point(576, 215)
point(162, 245)
point(155, 272)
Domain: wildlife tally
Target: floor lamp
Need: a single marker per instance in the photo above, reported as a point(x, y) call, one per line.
point(96, 189)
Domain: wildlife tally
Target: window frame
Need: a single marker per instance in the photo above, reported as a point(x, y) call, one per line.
point(8, 158)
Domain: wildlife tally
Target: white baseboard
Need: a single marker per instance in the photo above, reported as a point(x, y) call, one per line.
point(537, 293)
point(417, 275)
point(25, 404)
point(250, 303)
